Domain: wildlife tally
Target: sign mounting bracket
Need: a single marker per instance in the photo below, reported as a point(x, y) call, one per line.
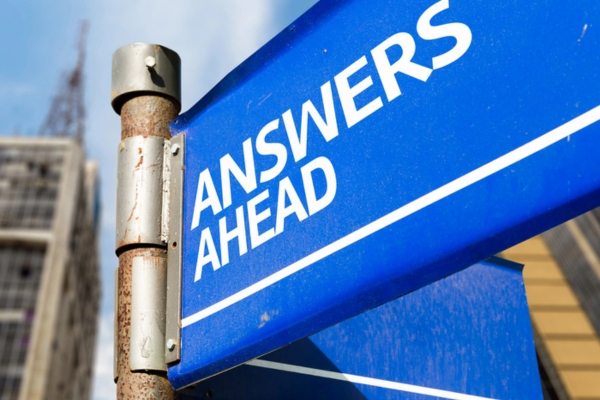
point(173, 193)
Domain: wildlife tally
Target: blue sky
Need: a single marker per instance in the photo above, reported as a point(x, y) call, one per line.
point(38, 43)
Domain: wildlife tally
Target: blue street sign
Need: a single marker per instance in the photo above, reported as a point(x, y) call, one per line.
point(464, 337)
point(374, 147)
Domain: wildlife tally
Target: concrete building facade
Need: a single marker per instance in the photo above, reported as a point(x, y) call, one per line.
point(49, 269)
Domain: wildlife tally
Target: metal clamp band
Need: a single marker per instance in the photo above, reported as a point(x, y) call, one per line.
point(148, 300)
point(139, 191)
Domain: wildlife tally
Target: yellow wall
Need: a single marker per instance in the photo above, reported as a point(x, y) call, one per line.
point(559, 320)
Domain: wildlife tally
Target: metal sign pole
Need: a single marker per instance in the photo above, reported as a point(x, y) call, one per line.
point(146, 92)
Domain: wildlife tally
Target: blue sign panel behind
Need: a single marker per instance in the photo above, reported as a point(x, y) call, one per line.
point(464, 337)
point(374, 147)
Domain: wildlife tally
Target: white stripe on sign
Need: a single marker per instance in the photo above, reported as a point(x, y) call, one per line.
point(363, 380)
point(536, 145)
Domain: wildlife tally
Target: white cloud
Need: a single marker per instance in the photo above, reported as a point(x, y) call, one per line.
point(15, 89)
point(103, 386)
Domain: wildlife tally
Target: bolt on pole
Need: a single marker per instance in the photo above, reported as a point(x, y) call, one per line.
point(146, 93)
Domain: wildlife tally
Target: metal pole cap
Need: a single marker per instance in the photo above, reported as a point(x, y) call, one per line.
point(145, 68)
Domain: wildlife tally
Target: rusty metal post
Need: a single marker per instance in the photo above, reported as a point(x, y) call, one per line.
point(146, 92)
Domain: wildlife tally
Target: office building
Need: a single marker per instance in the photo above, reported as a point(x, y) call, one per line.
point(49, 270)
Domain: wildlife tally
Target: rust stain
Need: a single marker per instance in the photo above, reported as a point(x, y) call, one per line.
point(134, 206)
point(141, 162)
point(123, 242)
point(132, 211)
point(147, 116)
